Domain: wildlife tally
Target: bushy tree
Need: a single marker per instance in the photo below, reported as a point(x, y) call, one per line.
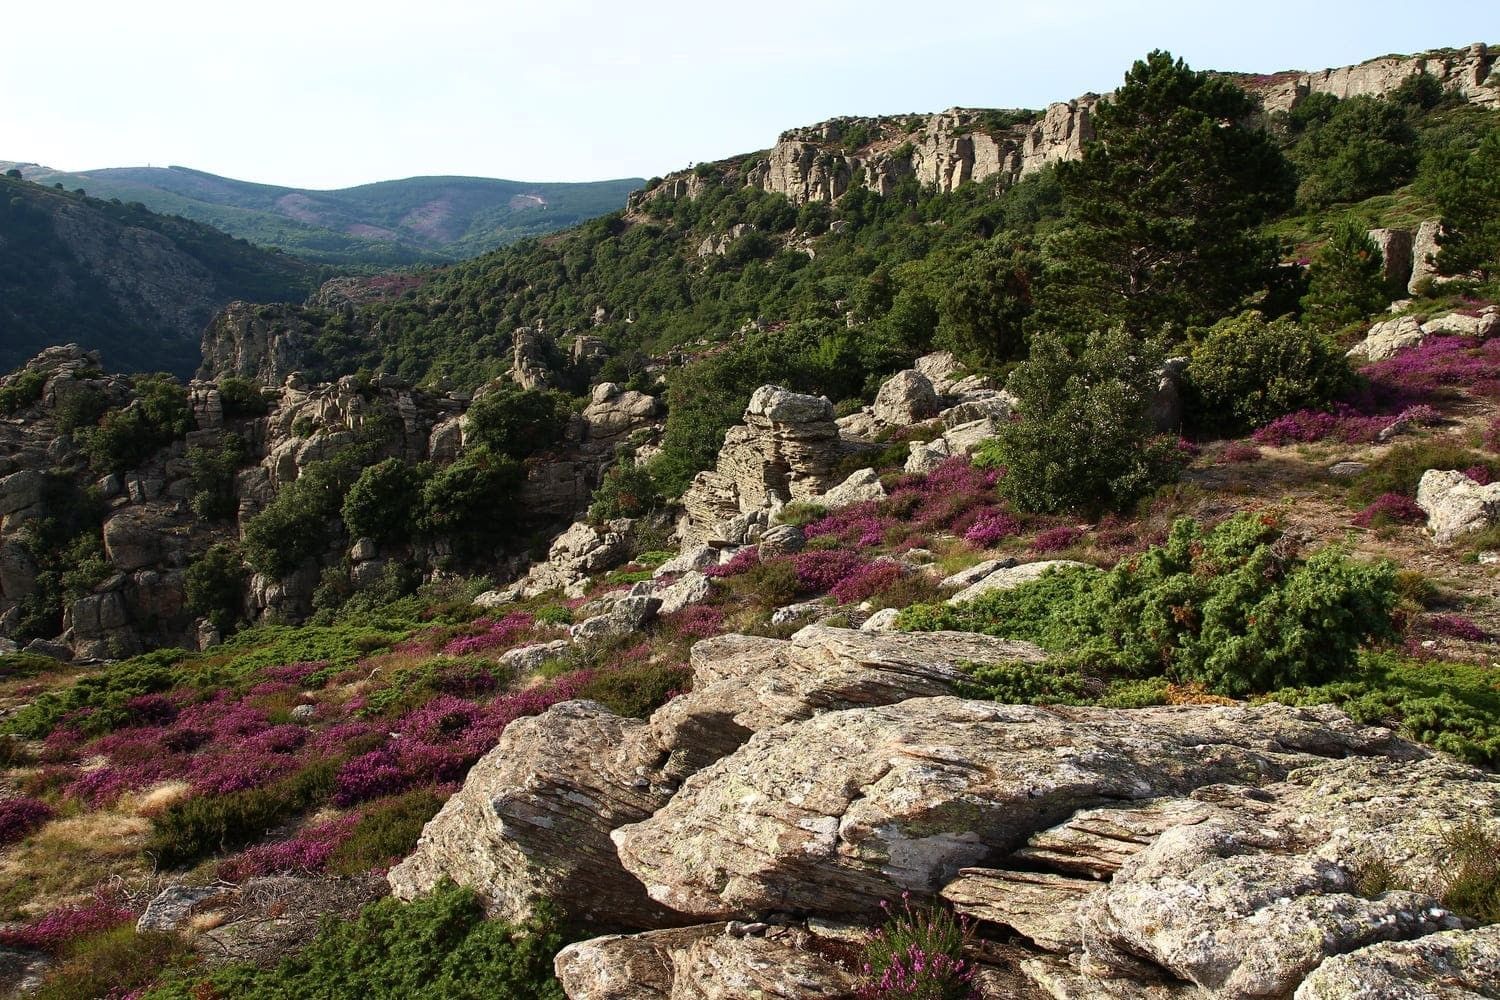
point(471, 502)
point(980, 312)
point(1085, 441)
point(1247, 372)
point(1347, 281)
point(300, 522)
point(384, 501)
point(215, 586)
point(212, 473)
point(156, 417)
point(1366, 147)
point(517, 422)
point(1163, 209)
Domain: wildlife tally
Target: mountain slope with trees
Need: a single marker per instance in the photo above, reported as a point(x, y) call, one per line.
point(386, 224)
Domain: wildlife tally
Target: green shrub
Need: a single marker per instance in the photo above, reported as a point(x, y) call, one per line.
point(24, 390)
point(472, 502)
point(191, 830)
point(1026, 683)
point(1466, 186)
point(298, 523)
point(554, 614)
point(638, 690)
point(242, 398)
point(628, 490)
point(1454, 707)
point(215, 586)
point(125, 438)
point(78, 407)
point(105, 693)
point(517, 422)
point(1347, 280)
point(1231, 608)
point(386, 833)
point(1247, 372)
point(1472, 875)
point(439, 945)
point(1086, 442)
point(212, 473)
point(385, 500)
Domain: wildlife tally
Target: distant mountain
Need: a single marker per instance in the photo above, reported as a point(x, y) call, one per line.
point(386, 224)
point(137, 286)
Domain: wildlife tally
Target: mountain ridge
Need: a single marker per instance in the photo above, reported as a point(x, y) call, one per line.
point(390, 223)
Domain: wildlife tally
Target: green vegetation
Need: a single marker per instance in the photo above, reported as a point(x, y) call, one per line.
point(1246, 372)
point(440, 945)
point(1232, 608)
point(1346, 283)
point(1365, 146)
point(212, 473)
point(125, 438)
point(215, 586)
point(384, 502)
point(25, 390)
point(1087, 442)
point(516, 422)
point(1466, 186)
point(206, 824)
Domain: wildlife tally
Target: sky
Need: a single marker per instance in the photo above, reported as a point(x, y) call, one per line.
point(318, 94)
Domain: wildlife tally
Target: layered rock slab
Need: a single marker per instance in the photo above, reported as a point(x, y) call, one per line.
point(533, 819)
point(836, 813)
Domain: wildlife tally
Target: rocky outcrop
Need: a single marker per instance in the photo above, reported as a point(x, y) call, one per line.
point(785, 450)
point(1469, 71)
point(1456, 505)
point(1005, 575)
point(529, 368)
point(1388, 338)
point(1395, 246)
point(887, 801)
point(264, 343)
point(534, 816)
point(1454, 965)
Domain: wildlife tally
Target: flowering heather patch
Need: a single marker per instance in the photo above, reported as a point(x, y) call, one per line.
point(1491, 437)
point(304, 853)
point(442, 739)
point(918, 955)
point(56, 928)
point(1391, 508)
point(990, 527)
point(1056, 539)
point(699, 621)
point(866, 581)
point(821, 570)
point(1342, 423)
point(1457, 627)
point(1239, 451)
point(494, 634)
point(742, 561)
point(1437, 365)
point(857, 524)
point(20, 816)
point(221, 774)
point(1480, 474)
point(151, 710)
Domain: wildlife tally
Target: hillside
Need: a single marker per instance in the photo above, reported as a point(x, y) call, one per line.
point(386, 224)
point(135, 285)
point(990, 555)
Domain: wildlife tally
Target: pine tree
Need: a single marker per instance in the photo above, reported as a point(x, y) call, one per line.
point(1162, 209)
point(1348, 280)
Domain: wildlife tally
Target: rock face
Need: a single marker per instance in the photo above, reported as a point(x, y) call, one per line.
point(785, 450)
point(1467, 70)
point(534, 816)
point(1005, 575)
point(1454, 965)
point(1456, 505)
point(1387, 339)
point(264, 343)
point(889, 799)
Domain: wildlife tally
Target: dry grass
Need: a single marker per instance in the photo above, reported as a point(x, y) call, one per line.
point(67, 859)
point(155, 799)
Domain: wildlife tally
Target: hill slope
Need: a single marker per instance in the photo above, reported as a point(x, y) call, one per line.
point(389, 223)
point(137, 286)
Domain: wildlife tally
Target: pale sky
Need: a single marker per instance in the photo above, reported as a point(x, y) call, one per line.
point(318, 94)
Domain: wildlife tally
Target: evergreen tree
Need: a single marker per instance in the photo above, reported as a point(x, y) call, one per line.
point(1466, 187)
point(980, 313)
point(1348, 280)
point(1162, 209)
point(1366, 147)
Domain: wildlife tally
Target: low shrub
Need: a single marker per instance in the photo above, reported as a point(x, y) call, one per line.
point(215, 586)
point(439, 945)
point(635, 691)
point(1400, 469)
point(1057, 539)
point(1390, 508)
point(1247, 372)
point(112, 963)
point(385, 832)
point(1472, 875)
point(1233, 608)
point(917, 954)
point(190, 830)
point(20, 816)
point(25, 388)
point(1457, 627)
